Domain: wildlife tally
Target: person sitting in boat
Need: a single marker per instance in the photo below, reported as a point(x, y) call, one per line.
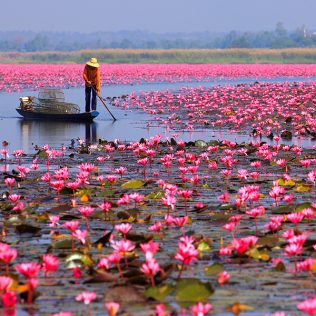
point(91, 76)
point(26, 103)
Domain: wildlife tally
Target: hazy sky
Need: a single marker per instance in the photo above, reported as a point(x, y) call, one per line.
point(155, 15)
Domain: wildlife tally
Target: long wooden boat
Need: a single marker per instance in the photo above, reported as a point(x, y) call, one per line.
point(69, 117)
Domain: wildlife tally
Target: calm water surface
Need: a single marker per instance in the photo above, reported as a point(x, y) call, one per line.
point(130, 126)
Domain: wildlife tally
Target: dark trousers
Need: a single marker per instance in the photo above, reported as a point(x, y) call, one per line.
point(93, 100)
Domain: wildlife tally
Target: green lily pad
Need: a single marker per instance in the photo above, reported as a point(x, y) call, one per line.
point(214, 269)
point(159, 293)
point(285, 183)
point(193, 291)
point(105, 194)
point(303, 188)
point(66, 191)
point(155, 195)
point(62, 244)
point(133, 184)
point(13, 221)
point(201, 144)
point(300, 207)
point(203, 247)
point(79, 258)
point(259, 255)
point(267, 241)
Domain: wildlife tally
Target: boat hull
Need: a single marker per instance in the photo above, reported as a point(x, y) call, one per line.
point(80, 117)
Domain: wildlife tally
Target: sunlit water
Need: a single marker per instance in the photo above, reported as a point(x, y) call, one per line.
point(129, 126)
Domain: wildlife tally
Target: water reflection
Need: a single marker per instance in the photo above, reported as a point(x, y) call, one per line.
point(55, 133)
point(91, 132)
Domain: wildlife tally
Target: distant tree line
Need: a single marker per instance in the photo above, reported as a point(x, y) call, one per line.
point(67, 41)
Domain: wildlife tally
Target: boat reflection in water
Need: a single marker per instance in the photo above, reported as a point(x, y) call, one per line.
point(38, 133)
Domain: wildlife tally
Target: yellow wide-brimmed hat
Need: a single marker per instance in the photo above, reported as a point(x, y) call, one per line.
point(93, 62)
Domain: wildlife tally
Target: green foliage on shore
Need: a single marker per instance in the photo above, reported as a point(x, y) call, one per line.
point(160, 56)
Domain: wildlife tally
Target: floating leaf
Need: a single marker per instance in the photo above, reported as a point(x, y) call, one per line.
point(66, 191)
point(193, 290)
point(267, 241)
point(280, 267)
point(283, 209)
point(138, 237)
point(300, 207)
point(99, 276)
point(226, 207)
point(159, 293)
point(303, 188)
point(62, 244)
point(78, 257)
point(155, 195)
point(43, 217)
point(200, 144)
point(203, 247)
point(27, 229)
point(259, 255)
point(58, 209)
point(124, 294)
point(213, 269)
point(123, 215)
point(13, 221)
point(106, 193)
point(285, 183)
point(133, 184)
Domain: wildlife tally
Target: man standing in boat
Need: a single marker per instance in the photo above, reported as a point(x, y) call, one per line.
point(91, 76)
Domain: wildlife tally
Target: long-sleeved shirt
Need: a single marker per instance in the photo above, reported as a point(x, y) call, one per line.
point(92, 74)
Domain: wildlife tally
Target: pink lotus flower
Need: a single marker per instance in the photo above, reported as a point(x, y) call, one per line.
point(295, 218)
point(308, 306)
point(9, 299)
point(161, 310)
point(111, 178)
point(5, 283)
point(80, 235)
point(87, 167)
point(136, 197)
point(14, 197)
point(54, 220)
point(50, 263)
point(225, 251)
point(223, 277)
point(120, 171)
point(200, 309)
point(306, 265)
point(29, 270)
point(150, 268)
point(86, 297)
point(186, 253)
point(157, 227)
point(123, 246)
point(241, 245)
point(104, 263)
point(86, 211)
point(123, 228)
point(9, 182)
point(112, 308)
point(46, 177)
point(150, 246)
point(71, 225)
